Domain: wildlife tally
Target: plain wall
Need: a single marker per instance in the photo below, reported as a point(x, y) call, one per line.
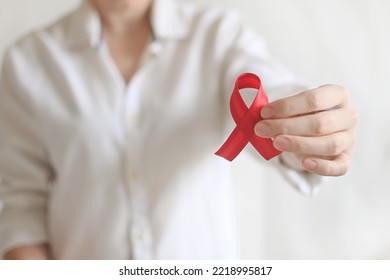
point(335, 41)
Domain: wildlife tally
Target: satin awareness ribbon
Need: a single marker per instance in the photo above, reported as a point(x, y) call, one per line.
point(246, 118)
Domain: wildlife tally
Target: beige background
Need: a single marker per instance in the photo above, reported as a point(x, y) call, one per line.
point(334, 41)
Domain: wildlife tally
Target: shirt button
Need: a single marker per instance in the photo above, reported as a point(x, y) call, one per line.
point(134, 176)
point(155, 48)
point(138, 236)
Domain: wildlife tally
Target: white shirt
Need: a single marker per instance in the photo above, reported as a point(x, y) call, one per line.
point(104, 170)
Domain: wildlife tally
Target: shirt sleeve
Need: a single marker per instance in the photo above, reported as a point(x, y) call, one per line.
point(248, 53)
point(24, 173)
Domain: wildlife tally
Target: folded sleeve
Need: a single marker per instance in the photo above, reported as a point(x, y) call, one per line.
point(247, 52)
point(24, 172)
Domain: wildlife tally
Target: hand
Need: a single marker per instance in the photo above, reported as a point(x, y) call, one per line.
point(317, 126)
point(34, 252)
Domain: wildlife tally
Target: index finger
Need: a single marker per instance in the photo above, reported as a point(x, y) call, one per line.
point(310, 101)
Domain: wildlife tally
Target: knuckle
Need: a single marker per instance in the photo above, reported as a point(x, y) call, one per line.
point(284, 108)
point(281, 127)
point(314, 100)
point(343, 168)
point(299, 146)
point(354, 117)
point(341, 90)
point(329, 170)
point(340, 167)
point(353, 138)
point(321, 125)
point(284, 129)
point(337, 145)
point(349, 140)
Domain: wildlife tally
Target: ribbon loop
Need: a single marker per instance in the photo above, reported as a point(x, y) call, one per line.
point(246, 118)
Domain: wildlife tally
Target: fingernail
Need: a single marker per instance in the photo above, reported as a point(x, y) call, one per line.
point(282, 144)
point(262, 130)
point(268, 112)
point(310, 164)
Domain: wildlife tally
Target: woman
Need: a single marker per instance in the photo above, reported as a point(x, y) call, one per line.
point(109, 120)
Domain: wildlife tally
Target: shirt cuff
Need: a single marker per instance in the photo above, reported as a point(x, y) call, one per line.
point(21, 229)
point(305, 182)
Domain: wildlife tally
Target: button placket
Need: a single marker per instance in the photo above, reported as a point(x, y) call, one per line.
point(139, 228)
point(139, 224)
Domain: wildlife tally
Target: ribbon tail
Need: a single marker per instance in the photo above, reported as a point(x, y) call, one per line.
point(264, 146)
point(235, 143)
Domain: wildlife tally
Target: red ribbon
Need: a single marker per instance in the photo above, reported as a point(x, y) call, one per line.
point(246, 118)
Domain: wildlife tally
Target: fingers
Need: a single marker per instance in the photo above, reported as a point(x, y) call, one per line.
point(328, 167)
point(328, 145)
point(310, 101)
point(318, 124)
point(323, 155)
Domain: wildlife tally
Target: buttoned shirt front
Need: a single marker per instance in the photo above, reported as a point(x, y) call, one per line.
point(101, 169)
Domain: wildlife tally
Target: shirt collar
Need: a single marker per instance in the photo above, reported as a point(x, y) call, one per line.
point(84, 25)
point(168, 20)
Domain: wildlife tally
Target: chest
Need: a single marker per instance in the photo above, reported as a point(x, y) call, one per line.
point(168, 102)
point(127, 51)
